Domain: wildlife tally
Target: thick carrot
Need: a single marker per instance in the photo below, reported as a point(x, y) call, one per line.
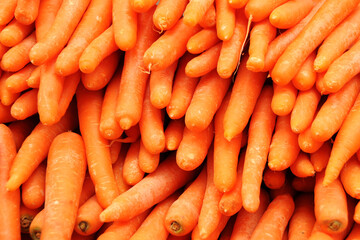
point(167, 13)
point(307, 142)
point(7, 9)
point(9, 201)
point(302, 166)
point(148, 162)
point(161, 86)
point(262, 33)
point(5, 115)
point(259, 10)
point(17, 81)
point(35, 148)
point(245, 92)
point(303, 219)
point(231, 50)
point(209, 19)
point(225, 153)
point(275, 219)
point(118, 170)
point(183, 90)
point(274, 179)
point(195, 11)
point(66, 161)
point(26, 217)
point(202, 40)
point(133, 78)
point(320, 158)
point(174, 134)
point(290, 13)
point(193, 147)
point(305, 78)
point(183, 214)
point(18, 56)
point(46, 16)
point(26, 11)
point(33, 190)
point(170, 46)
point(260, 132)
point(14, 33)
point(303, 184)
point(196, 234)
point(25, 106)
point(338, 41)
point(225, 19)
point(309, 38)
point(284, 146)
point(132, 173)
point(349, 175)
point(7, 97)
point(354, 233)
point(284, 99)
point(142, 196)
point(87, 220)
point(22, 129)
point(97, 147)
point(304, 110)
point(34, 79)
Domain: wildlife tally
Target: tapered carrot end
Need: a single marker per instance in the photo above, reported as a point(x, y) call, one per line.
point(171, 145)
point(251, 205)
point(38, 54)
point(203, 234)
point(13, 183)
point(125, 123)
point(228, 135)
point(327, 181)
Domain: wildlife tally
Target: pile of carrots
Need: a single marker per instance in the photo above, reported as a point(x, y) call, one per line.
point(178, 119)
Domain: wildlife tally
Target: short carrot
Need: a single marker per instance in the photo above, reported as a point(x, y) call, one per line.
point(320, 158)
point(348, 176)
point(174, 134)
point(303, 184)
point(7, 9)
point(195, 10)
point(22, 129)
point(14, 33)
point(259, 10)
point(26, 11)
point(87, 220)
point(225, 19)
point(132, 173)
point(302, 166)
point(34, 79)
point(307, 142)
point(305, 78)
point(274, 179)
point(202, 40)
point(17, 81)
point(148, 162)
point(167, 13)
point(26, 217)
point(209, 19)
point(26, 105)
point(284, 99)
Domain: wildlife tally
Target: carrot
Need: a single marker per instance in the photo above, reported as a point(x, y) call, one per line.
point(259, 10)
point(275, 219)
point(7, 97)
point(307, 142)
point(209, 19)
point(102, 74)
point(202, 41)
point(174, 134)
point(204, 63)
point(67, 161)
point(260, 132)
point(195, 11)
point(231, 50)
point(9, 201)
point(303, 184)
point(167, 13)
point(215, 234)
point(161, 86)
point(14, 33)
point(284, 147)
point(331, 219)
point(34, 79)
point(25, 106)
point(33, 190)
point(302, 166)
point(7, 9)
point(183, 214)
point(87, 190)
point(338, 41)
point(5, 115)
point(35, 148)
point(262, 33)
point(225, 19)
point(3, 50)
point(76, 236)
point(46, 16)
point(306, 77)
point(183, 90)
point(274, 179)
point(148, 162)
point(231, 202)
point(290, 13)
point(320, 84)
point(141, 196)
point(36, 225)
point(284, 99)
point(133, 78)
point(130, 135)
point(170, 46)
point(18, 56)
point(153, 226)
point(310, 37)
point(348, 176)
point(304, 109)
point(173, 237)
point(225, 153)
point(26, 11)
point(193, 147)
point(17, 81)
point(118, 170)
point(345, 144)
point(97, 147)
point(355, 232)
point(226, 233)
point(245, 92)
point(26, 217)
point(22, 129)
point(132, 173)
point(87, 220)
point(142, 5)
point(237, 3)
point(303, 219)
point(320, 158)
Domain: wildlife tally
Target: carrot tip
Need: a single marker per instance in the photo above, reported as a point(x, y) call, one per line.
point(171, 145)
point(176, 227)
point(12, 184)
point(125, 123)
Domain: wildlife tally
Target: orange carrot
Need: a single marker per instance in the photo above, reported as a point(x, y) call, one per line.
point(130, 135)
point(34, 79)
point(17, 81)
point(193, 147)
point(26, 217)
point(284, 99)
point(195, 11)
point(284, 147)
point(349, 175)
point(196, 234)
point(87, 220)
point(307, 142)
point(26, 105)
point(209, 19)
point(22, 129)
point(118, 170)
point(35, 148)
point(303, 184)
point(133, 78)
point(237, 3)
point(246, 90)
point(183, 214)
point(7, 97)
point(46, 16)
point(148, 161)
point(9, 201)
point(320, 158)
point(202, 40)
point(274, 179)
point(7, 9)
point(142, 5)
point(132, 173)
point(260, 132)
point(97, 147)
point(302, 166)
point(174, 134)
point(355, 232)
point(141, 196)
point(33, 190)
point(259, 10)
point(36, 225)
point(14, 33)
point(225, 19)
point(3, 50)
point(167, 13)
point(306, 76)
point(310, 37)
point(226, 233)
point(5, 115)
point(26, 11)
point(173, 237)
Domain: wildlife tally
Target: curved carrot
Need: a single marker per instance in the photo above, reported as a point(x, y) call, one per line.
point(87, 220)
point(26, 11)
point(167, 13)
point(9, 200)
point(320, 158)
point(284, 99)
point(148, 162)
point(307, 142)
point(26, 217)
point(195, 11)
point(17, 81)
point(259, 10)
point(34, 79)
point(14, 33)
point(46, 16)
point(174, 134)
point(274, 179)
point(348, 177)
point(225, 19)
point(142, 5)
point(7, 9)
point(303, 184)
point(22, 129)
point(302, 166)
point(209, 19)
point(26, 105)
point(7, 97)
point(132, 173)
point(202, 40)
point(306, 76)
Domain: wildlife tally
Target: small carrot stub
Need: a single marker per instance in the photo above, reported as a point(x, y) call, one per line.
point(302, 166)
point(349, 175)
point(225, 19)
point(33, 190)
point(167, 13)
point(274, 179)
point(284, 99)
point(202, 40)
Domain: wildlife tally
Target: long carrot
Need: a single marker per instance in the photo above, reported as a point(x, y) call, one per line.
point(225, 19)
point(17, 81)
point(14, 33)
point(167, 13)
point(174, 134)
point(148, 162)
point(87, 220)
point(305, 78)
point(22, 129)
point(320, 158)
point(284, 99)
point(349, 175)
point(195, 11)
point(26, 11)
point(202, 40)
point(26, 105)
point(259, 10)
point(7, 9)
point(9, 201)
point(302, 166)
point(132, 173)
point(274, 179)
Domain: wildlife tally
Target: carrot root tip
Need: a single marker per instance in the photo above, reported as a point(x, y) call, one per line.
point(83, 226)
point(334, 225)
point(176, 227)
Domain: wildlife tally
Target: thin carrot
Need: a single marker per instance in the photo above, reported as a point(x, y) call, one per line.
point(183, 214)
point(355, 232)
point(7, 9)
point(133, 78)
point(284, 99)
point(26, 217)
point(34, 79)
point(97, 147)
point(225, 19)
point(9, 200)
point(115, 149)
point(87, 220)
point(304, 110)
point(307, 142)
point(174, 134)
point(320, 158)
point(35, 148)
point(195, 11)
point(46, 16)
point(22, 129)
point(26, 11)
point(303, 184)
point(118, 170)
point(302, 166)
point(260, 132)
point(14, 33)
point(5, 115)
point(17, 81)
point(259, 10)
point(167, 13)
point(283, 153)
point(33, 190)
point(196, 234)
point(169, 47)
point(306, 76)
point(310, 37)
point(209, 19)
point(141, 196)
point(274, 179)
point(132, 173)
point(148, 162)
point(202, 40)
point(349, 175)
point(193, 147)
point(246, 90)
point(25, 106)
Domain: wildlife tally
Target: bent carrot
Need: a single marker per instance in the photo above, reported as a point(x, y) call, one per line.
point(302, 166)
point(284, 99)
point(148, 162)
point(7, 9)
point(274, 179)
point(17, 81)
point(87, 220)
point(320, 158)
point(14, 33)
point(348, 177)
point(225, 19)
point(26, 105)
point(174, 134)
point(305, 78)
point(202, 40)
point(26, 11)
point(259, 10)
point(167, 13)
point(132, 173)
